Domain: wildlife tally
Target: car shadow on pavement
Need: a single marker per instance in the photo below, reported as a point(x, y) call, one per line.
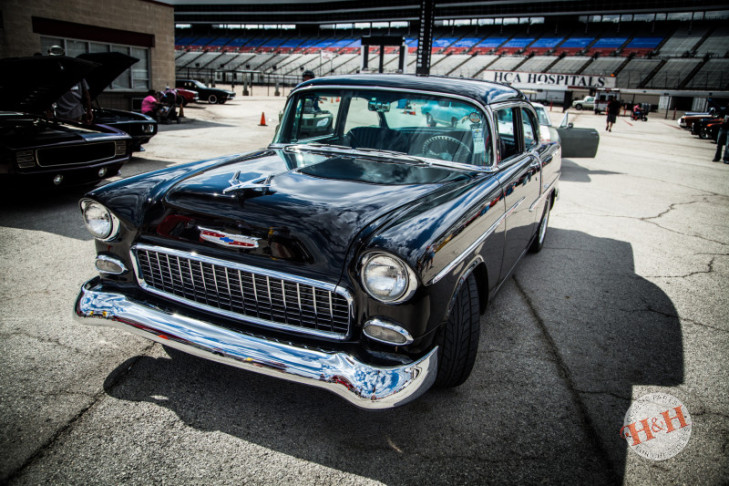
point(189, 123)
point(573, 172)
point(561, 348)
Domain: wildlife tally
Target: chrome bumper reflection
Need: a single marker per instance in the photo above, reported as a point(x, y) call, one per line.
point(363, 385)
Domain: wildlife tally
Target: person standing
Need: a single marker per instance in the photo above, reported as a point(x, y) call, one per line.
point(613, 108)
point(722, 139)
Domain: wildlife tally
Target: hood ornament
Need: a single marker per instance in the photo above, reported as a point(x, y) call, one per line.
point(262, 184)
point(229, 240)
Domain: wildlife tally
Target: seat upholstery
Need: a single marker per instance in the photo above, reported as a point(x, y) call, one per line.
point(377, 138)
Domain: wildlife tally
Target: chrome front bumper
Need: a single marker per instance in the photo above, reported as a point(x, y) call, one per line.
point(364, 385)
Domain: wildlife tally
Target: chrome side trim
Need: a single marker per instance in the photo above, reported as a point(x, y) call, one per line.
point(366, 386)
point(476, 243)
point(246, 268)
point(541, 198)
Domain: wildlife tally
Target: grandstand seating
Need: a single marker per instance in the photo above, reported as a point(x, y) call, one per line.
point(683, 42)
point(570, 64)
point(672, 73)
point(640, 54)
point(713, 74)
point(536, 64)
point(603, 66)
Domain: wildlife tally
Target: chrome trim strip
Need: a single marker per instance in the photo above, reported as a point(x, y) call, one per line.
point(541, 198)
point(366, 386)
point(476, 243)
point(255, 271)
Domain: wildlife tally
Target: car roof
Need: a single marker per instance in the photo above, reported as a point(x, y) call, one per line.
point(484, 91)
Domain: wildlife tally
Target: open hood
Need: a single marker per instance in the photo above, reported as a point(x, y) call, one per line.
point(110, 66)
point(33, 84)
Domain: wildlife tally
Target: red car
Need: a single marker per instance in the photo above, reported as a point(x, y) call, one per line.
point(188, 96)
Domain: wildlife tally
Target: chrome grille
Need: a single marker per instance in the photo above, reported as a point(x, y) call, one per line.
point(76, 154)
point(252, 294)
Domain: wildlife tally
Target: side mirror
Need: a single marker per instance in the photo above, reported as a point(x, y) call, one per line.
point(570, 125)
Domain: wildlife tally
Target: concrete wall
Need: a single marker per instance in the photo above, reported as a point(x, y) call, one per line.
point(141, 16)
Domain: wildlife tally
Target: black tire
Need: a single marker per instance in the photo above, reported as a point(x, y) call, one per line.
point(454, 122)
point(212, 99)
point(459, 338)
point(703, 134)
point(429, 120)
point(538, 242)
point(578, 107)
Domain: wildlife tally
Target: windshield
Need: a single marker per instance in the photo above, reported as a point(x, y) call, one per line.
point(410, 123)
point(543, 117)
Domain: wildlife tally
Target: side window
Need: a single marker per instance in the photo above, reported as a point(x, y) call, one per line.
point(505, 119)
point(530, 129)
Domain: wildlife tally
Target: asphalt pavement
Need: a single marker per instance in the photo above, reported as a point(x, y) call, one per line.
point(628, 297)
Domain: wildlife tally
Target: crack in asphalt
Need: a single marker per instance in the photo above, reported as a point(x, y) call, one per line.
point(709, 270)
point(19, 332)
point(583, 415)
point(68, 426)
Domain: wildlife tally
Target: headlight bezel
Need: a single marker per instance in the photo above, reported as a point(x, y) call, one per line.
point(113, 232)
point(406, 273)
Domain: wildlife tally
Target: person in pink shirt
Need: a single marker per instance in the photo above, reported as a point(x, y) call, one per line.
point(151, 104)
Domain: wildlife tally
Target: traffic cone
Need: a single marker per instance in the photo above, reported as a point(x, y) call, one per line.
point(263, 120)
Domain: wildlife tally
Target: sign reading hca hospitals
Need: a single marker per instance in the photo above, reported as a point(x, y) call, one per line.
point(549, 80)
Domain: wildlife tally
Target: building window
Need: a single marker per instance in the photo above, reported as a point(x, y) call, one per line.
point(135, 78)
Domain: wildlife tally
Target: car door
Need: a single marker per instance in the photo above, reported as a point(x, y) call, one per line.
point(578, 142)
point(520, 177)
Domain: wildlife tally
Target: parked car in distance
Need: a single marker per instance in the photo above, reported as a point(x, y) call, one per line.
point(34, 146)
point(211, 95)
point(586, 103)
point(109, 66)
point(357, 259)
point(444, 112)
point(188, 96)
point(688, 119)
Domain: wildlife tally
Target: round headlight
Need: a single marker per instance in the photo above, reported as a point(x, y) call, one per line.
point(387, 278)
point(99, 220)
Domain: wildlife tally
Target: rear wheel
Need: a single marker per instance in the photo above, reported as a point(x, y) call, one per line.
point(429, 120)
point(578, 107)
point(538, 242)
point(459, 338)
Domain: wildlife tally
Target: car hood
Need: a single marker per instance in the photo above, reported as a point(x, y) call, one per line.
point(301, 208)
point(109, 66)
point(33, 84)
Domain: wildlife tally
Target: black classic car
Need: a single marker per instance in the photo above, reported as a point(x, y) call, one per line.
point(33, 144)
point(205, 92)
point(357, 259)
point(109, 66)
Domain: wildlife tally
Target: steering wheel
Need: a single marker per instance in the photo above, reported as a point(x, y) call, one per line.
point(446, 148)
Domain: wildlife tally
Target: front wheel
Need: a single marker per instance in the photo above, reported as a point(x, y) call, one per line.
point(212, 99)
point(538, 242)
point(459, 337)
point(578, 107)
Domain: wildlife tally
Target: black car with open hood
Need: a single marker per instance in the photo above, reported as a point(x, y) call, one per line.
point(109, 66)
point(356, 253)
point(33, 144)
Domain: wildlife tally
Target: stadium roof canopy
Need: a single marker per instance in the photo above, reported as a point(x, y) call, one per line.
point(323, 11)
